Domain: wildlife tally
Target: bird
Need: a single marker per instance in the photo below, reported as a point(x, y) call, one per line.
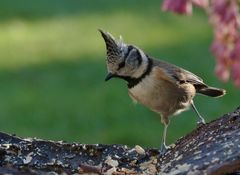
point(162, 87)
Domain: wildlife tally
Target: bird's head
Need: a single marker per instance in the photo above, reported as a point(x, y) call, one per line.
point(123, 60)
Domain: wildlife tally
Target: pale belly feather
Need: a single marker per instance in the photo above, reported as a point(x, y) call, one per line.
point(160, 96)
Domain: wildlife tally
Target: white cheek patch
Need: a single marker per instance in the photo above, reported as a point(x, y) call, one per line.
point(144, 57)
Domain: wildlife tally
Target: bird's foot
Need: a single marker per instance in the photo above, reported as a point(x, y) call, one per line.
point(201, 122)
point(163, 149)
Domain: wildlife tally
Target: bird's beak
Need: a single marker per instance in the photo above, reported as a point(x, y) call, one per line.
point(109, 76)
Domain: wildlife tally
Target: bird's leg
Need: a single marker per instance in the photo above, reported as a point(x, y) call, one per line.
point(164, 147)
point(201, 120)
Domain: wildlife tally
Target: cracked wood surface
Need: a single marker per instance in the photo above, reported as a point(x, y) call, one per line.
point(213, 148)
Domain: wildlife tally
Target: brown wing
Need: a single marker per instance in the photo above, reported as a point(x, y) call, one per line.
point(178, 75)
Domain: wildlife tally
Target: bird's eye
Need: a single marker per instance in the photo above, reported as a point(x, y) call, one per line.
point(121, 65)
point(130, 47)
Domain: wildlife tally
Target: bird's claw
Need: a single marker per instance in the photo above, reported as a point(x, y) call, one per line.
point(201, 122)
point(163, 149)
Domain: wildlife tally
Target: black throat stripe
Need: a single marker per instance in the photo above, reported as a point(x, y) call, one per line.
point(134, 81)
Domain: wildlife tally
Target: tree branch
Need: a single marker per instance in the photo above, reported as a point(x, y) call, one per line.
point(213, 148)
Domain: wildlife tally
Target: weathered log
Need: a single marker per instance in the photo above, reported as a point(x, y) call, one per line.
point(213, 148)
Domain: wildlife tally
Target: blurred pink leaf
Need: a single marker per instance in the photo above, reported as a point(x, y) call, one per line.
point(225, 9)
point(225, 19)
point(235, 54)
point(236, 73)
point(177, 6)
point(201, 3)
point(224, 16)
point(222, 72)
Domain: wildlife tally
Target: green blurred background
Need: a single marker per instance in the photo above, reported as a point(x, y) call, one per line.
point(52, 69)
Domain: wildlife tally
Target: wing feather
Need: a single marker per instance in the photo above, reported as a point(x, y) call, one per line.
point(178, 75)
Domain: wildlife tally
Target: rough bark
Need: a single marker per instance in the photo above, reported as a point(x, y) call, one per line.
point(213, 148)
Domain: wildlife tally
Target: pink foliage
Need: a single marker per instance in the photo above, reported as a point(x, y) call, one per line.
point(236, 73)
point(178, 6)
point(225, 19)
point(183, 6)
point(224, 16)
point(201, 3)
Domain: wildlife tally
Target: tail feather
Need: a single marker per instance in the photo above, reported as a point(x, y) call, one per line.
point(212, 92)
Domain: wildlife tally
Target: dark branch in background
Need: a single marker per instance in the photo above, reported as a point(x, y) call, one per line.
point(210, 149)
